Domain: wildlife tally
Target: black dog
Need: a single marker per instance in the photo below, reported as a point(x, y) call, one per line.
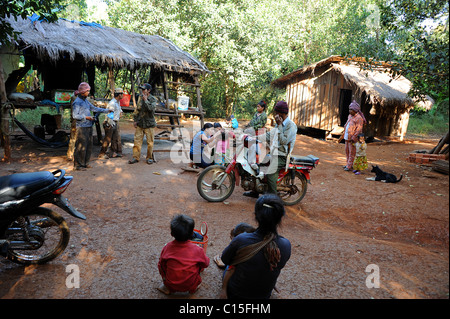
point(383, 176)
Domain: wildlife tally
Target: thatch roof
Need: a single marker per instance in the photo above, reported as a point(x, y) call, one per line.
point(103, 46)
point(378, 84)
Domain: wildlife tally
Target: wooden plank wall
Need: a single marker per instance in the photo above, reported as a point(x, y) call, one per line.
point(314, 102)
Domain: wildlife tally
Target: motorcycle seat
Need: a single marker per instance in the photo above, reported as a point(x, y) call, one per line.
point(17, 186)
point(309, 160)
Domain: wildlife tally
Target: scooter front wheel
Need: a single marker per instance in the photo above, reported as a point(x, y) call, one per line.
point(37, 237)
point(214, 184)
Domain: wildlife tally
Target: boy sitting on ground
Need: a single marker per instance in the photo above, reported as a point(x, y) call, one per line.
point(181, 261)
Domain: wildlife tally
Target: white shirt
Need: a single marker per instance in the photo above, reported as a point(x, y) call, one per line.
point(115, 106)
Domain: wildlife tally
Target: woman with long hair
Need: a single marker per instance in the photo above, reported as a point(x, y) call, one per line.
point(258, 257)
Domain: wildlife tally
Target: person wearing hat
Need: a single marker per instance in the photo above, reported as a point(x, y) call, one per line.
point(81, 112)
point(282, 140)
point(145, 123)
point(353, 127)
point(111, 126)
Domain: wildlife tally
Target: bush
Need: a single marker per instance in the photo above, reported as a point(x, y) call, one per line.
point(31, 118)
point(434, 122)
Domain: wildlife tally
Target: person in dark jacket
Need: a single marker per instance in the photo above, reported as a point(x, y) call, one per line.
point(145, 123)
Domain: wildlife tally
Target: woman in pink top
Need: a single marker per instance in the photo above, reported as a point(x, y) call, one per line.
point(353, 128)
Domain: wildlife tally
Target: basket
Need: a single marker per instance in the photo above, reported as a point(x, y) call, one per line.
point(63, 96)
point(203, 231)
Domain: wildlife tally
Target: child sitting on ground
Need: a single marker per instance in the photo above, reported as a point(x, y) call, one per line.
point(181, 261)
point(232, 121)
point(229, 270)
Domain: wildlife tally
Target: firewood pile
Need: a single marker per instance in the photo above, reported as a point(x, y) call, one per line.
point(442, 147)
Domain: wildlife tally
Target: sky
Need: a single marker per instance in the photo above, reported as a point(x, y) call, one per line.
point(100, 12)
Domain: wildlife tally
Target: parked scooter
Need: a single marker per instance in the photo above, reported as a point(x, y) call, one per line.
point(29, 233)
point(216, 183)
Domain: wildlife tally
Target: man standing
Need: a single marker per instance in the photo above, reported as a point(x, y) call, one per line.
point(111, 126)
point(145, 123)
point(82, 114)
point(283, 140)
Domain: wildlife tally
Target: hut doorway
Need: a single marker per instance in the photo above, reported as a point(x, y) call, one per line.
point(345, 98)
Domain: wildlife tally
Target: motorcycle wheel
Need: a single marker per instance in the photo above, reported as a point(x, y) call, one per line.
point(297, 189)
point(207, 184)
point(47, 229)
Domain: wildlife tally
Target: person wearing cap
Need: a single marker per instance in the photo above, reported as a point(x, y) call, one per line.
point(145, 123)
point(111, 125)
point(81, 112)
point(282, 140)
point(353, 127)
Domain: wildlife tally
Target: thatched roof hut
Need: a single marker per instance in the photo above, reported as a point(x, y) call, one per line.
point(102, 45)
point(62, 50)
point(66, 52)
point(319, 95)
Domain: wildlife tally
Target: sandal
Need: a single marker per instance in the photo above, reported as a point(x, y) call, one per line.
point(219, 261)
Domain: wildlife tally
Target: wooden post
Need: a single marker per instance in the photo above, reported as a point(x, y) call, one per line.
point(73, 132)
point(111, 81)
point(133, 95)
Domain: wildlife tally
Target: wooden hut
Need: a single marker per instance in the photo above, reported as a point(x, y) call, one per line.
point(319, 94)
point(65, 52)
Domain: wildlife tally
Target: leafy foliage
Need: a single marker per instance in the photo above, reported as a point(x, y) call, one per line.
point(46, 9)
point(421, 51)
point(249, 43)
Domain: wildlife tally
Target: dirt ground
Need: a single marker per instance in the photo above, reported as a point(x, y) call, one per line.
point(344, 224)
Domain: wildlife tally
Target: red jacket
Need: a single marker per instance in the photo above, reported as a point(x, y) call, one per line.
point(180, 265)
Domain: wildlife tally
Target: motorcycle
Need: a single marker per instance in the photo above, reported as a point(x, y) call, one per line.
point(217, 182)
point(30, 233)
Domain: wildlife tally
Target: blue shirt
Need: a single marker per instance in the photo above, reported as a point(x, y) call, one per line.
point(82, 108)
point(253, 278)
point(234, 123)
point(197, 143)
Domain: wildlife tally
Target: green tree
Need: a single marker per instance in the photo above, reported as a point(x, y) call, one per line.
point(46, 9)
point(418, 31)
point(249, 43)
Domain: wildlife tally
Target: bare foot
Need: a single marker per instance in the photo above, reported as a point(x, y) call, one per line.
point(164, 289)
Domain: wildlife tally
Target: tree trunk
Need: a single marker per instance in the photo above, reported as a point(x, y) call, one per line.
point(4, 119)
point(228, 100)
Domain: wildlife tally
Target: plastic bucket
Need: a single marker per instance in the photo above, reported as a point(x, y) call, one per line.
point(202, 243)
point(183, 103)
